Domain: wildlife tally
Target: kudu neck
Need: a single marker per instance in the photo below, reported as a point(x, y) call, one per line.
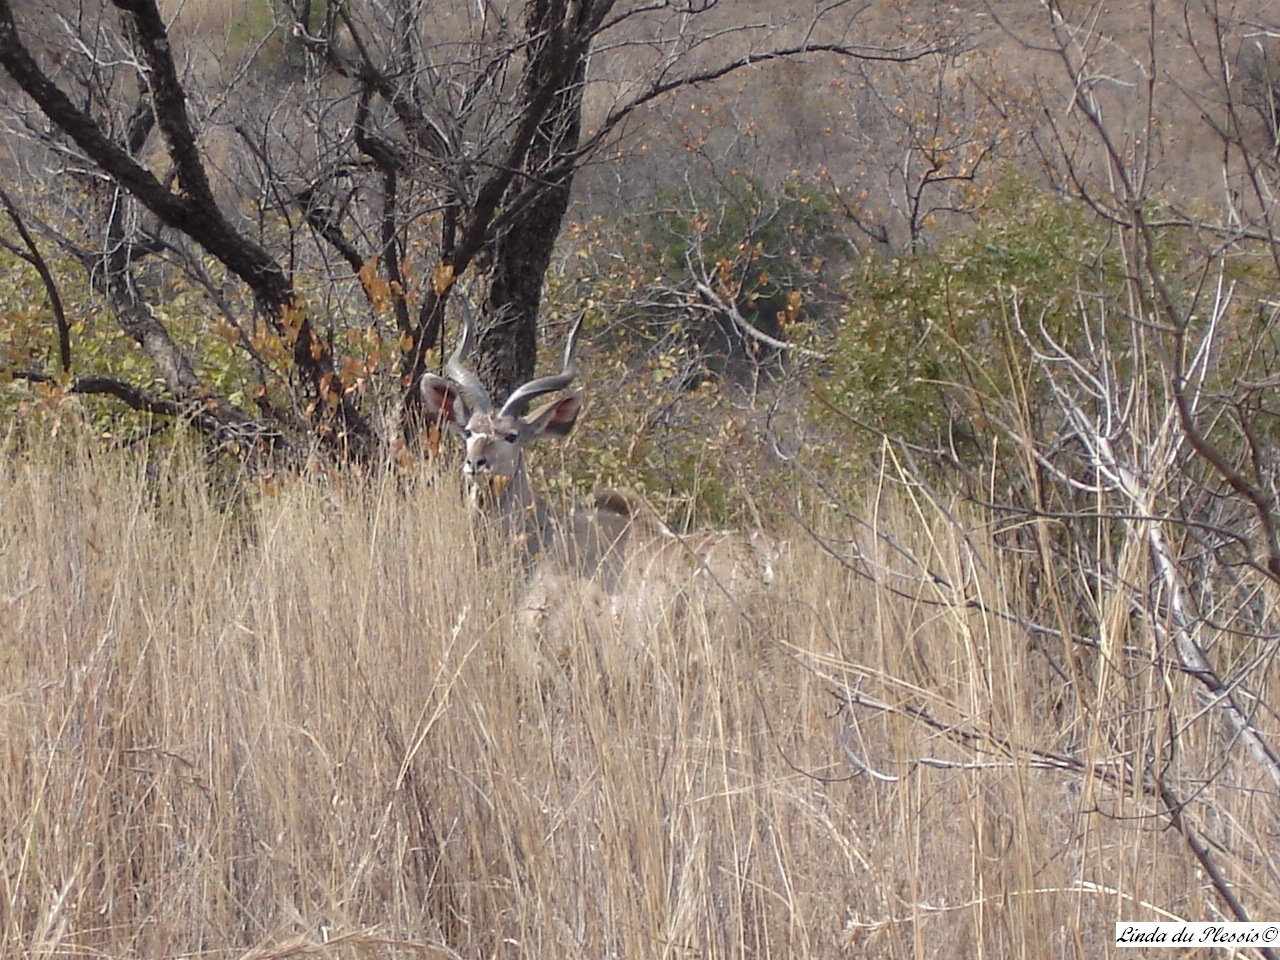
point(513, 509)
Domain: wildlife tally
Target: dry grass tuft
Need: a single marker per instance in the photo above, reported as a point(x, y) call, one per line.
point(308, 724)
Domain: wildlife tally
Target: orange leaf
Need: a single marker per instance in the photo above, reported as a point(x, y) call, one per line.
point(377, 289)
point(442, 278)
point(292, 319)
point(369, 272)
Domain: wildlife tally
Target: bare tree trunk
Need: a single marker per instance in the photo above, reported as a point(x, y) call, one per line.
point(512, 265)
point(190, 209)
point(466, 121)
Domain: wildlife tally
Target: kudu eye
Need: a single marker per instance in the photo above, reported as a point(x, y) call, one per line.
point(512, 437)
point(466, 433)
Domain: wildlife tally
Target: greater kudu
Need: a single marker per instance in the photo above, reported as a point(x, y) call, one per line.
point(619, 544)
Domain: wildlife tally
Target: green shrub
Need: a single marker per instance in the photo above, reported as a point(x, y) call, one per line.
point(665, 415)
point(929, 341)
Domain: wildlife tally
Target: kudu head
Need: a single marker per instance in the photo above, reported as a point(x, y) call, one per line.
point(493, 468)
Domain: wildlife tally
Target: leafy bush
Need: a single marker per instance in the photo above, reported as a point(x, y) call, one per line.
point(668, 412)
point(927, 340)
point(764, 250)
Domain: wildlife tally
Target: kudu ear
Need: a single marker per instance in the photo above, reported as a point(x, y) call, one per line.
point(444, 400)
point(556, 418)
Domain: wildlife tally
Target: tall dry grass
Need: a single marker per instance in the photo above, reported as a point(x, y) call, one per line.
point(308, 723)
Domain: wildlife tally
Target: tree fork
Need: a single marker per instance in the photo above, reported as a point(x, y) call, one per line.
point(193, 211)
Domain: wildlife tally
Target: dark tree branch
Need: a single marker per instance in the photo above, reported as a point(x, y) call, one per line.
point(33, 256)
point(663, 87)
point(169, 100)
point(391, 252)
point(319, 216)
point(203, 415)
point(132, 397)
point(197, 218)
point(1174, 808)
point(193, 211)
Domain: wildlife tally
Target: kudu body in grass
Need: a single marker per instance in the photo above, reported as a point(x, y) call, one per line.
point(618, 544)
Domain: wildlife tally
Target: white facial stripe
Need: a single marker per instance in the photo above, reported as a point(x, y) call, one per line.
point(493, 449)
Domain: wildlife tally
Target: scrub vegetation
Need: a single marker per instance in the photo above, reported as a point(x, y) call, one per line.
point(967, 324)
